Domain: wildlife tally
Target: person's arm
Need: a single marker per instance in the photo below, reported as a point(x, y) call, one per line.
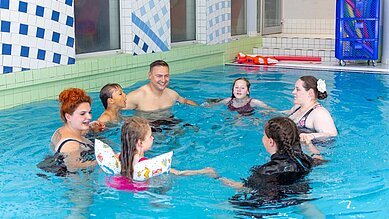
point(72, 153)
point(230, 182)
point(208, 171)
point(214, 103)
point(258, 103)
point(186, 101)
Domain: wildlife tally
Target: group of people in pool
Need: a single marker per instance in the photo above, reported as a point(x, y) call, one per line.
point(283, 136)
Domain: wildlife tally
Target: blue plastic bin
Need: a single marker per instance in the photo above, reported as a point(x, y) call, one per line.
point(357, 30)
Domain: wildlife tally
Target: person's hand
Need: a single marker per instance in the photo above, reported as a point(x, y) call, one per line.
point(306, 138)
point(97, 126)
point(205, 104)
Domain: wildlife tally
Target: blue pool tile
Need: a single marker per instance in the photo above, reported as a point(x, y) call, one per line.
point(55, 16)
point(7, 69)
point(6, 49)
point(57, 58)
point(40, 32)
point(71, 60)
point(5, 26)
point(39, 11)
point(136, 39)
point(24, 52)
point(23, 6)
point(69, 2)
point(4, 4)
point(55, 37)
point(69, 21)
point(25, 69)
point(70, 42)
point(145, 47)
point(23, 29)
point(151, 4)
point(164, 10)
point(156, 18)
point(41, 54)
point(142, 11)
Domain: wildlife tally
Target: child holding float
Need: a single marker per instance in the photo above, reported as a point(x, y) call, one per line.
point(136, 139)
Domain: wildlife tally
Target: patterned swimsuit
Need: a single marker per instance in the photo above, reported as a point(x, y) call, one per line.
point(245, 110)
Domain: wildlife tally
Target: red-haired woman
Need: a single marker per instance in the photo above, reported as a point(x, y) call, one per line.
point(73, 150)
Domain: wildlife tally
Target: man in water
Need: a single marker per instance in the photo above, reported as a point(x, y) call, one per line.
point(155, 95)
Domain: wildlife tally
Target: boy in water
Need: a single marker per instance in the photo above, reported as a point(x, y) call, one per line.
point(113, 99)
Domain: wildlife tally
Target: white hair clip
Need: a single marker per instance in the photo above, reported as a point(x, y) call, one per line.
point(321, 86)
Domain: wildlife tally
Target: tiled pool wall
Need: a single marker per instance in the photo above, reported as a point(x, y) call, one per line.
point(37, 52)
point(92, 73)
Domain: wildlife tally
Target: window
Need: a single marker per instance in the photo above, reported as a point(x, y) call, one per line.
point(183, 20)
point(259, 15)
point(96, 25)
point(238, 17)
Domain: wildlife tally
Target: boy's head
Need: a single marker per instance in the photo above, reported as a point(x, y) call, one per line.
point(107, 91)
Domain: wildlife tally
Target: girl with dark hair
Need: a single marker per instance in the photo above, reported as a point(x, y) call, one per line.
point(240, 100)
point(312, 119)
point(136, 139)
point(288, 162)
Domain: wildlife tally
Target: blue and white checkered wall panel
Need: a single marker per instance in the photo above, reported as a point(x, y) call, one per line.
point(150, 26)
point(218, 21)
point(36, 34)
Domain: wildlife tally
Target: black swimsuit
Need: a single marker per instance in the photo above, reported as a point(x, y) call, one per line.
point(86, 155)
point(276, 183)
point(56, 163)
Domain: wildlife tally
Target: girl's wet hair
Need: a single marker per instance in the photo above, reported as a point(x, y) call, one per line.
point(134, 128)
point(243, 79)
point(107, 91)
point(310, 82)
point(70, 99)
point(287, 137)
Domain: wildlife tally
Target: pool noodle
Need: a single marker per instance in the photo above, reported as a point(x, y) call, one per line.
point(351, 12)
point(351, 33)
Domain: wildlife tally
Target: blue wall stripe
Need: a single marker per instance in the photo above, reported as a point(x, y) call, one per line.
point(146, 29)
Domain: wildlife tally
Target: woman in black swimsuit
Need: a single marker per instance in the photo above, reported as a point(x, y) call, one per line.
point(282, 176)
point(73, 150)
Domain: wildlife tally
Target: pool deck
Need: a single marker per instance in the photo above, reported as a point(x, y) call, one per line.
point(350, 66)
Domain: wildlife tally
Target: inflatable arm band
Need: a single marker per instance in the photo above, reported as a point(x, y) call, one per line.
point(152, 167)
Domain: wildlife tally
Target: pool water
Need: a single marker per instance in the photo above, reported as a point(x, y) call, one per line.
point(353, 184)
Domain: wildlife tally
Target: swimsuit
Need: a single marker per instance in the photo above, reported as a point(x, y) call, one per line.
point(124, 183)
point(245, 110)
point(301, 125)
point(56, 163)
point(88, 154)
point(276, 183)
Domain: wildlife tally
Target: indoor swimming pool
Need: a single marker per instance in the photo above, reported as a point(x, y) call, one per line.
point(353, 184)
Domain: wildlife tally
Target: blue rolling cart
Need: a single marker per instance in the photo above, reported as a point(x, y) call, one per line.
point(357, 30)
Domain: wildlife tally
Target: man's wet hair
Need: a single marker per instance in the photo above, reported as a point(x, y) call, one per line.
point(158, 63)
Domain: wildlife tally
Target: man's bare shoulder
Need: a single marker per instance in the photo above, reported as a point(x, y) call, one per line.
point(140, 92)
point(172, 93)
